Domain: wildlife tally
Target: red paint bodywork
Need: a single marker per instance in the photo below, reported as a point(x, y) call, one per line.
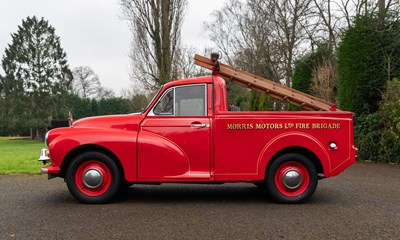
point(168, 149)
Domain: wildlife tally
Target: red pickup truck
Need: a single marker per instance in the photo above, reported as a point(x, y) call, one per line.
point(186, 134)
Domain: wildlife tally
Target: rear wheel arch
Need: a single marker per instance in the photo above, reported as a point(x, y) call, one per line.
point(294, 142)
point(300, 150)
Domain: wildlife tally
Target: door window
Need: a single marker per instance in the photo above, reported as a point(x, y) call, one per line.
point(190, 101)
point(183, 101)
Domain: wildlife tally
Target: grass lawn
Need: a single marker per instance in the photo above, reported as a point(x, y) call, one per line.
point(19, 155)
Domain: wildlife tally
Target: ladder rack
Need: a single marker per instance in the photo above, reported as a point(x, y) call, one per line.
point(266, 86)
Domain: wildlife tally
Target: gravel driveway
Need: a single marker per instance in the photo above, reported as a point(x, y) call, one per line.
point(361, 203)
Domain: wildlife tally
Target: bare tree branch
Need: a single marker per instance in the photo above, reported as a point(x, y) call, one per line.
point(85, 82)
point(156, 26)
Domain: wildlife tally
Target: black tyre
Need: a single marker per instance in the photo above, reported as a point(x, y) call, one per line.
point(93, 177)
point(291, 178)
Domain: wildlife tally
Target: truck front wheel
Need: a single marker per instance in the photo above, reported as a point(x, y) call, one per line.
point(93, 177)
point(291, 178)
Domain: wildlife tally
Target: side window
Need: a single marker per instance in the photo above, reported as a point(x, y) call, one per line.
point(165, 106)
point(190, 101)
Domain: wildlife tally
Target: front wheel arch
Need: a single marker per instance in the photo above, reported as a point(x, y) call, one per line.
point(89, 148)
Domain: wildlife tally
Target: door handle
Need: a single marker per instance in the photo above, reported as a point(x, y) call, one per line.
point(199, 125)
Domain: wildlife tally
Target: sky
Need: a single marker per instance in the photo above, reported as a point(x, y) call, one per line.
point(93, 32)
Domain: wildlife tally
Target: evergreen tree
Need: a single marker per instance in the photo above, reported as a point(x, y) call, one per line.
point(36, 71)
point(362, 67)
point(254, 100)
point(303, 74)
point(306, 66)
point(113, 105)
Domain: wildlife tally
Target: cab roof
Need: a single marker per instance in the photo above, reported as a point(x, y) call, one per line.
point(196, 80)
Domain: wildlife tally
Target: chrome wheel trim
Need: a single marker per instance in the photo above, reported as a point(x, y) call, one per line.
point(93, 178)
point(292, 179)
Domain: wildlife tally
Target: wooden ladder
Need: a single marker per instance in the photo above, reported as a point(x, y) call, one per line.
point(266, 86)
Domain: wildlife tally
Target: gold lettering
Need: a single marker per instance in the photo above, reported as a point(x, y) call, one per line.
point(239, 126)
point(316, 126)
point(275, 126)
point(269, 126)
point(260, 126)
point(289, 125)
point(326, 126)
point(302, 125)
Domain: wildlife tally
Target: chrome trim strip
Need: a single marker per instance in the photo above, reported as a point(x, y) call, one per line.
point(46, 138)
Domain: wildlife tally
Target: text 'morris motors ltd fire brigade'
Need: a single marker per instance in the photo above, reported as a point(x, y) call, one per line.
point(187, 135)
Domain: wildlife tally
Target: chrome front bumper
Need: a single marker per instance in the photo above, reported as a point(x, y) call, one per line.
point(51, 171)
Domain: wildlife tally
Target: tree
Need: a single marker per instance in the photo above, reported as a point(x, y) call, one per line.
point(377, 135)
point(156, 27)
point(262, 37)
point(86, 83)
point(362, 64)
point(270, 38)
point(104, 92)
point(113, 105)
point(324, 80)
point(186, 65)
point(315, 73)
point(81, 107)
point(37, 77)
point(139, 101)
point(36, 61)
point(302, 75)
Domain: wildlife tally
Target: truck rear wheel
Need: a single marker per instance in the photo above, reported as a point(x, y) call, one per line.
point(93, 177)
point(291, 178)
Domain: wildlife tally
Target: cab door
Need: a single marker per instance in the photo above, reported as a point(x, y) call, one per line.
point(175, 138)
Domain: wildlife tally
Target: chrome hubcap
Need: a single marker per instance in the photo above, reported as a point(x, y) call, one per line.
point(292, 179)
point(93, 178)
